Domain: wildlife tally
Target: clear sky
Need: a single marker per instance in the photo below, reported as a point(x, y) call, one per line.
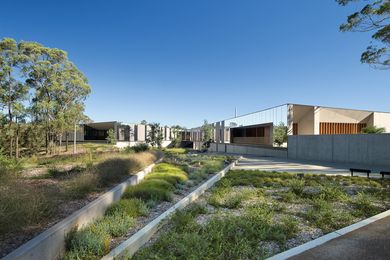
point(182, 61)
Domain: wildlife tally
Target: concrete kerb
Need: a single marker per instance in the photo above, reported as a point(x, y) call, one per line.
point(129, 247)
point(321, 240)
point(50, 244)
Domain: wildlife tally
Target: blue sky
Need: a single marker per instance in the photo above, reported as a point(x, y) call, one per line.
point(182, 61)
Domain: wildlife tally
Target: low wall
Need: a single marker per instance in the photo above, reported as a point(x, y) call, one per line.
point(365, 149)
point(51, 243)
point(249, 150)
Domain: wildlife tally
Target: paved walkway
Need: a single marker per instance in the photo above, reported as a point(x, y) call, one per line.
point(289, 165)
point(369, 242)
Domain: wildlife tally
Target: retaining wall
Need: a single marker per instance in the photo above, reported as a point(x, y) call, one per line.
point(51, 243)
point(366, 149)
point(249, 150)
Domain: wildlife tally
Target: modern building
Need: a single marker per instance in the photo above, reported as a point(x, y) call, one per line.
point(257, 128)
point(126, 134)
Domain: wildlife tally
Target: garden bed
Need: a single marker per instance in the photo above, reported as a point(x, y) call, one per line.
point(30, 205)
point(255, 214)
point(168, 183)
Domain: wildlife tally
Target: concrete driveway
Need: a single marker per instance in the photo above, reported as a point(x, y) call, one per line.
point(369, 242)
point(288, 165)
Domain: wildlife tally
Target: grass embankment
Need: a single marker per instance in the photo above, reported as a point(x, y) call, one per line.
point(85, 152)
point(255, 214)
point(28, 204)
point(167, 178)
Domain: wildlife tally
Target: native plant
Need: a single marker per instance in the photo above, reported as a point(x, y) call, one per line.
point(39, 88)
point(155, 135)
point(374, 17)
point(280, 134)
point(373, 130)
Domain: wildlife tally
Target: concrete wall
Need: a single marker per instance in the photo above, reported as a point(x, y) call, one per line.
point(366, 149)
point(249, 150)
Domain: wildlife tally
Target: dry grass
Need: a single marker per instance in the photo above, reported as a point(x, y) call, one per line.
point(27, 204)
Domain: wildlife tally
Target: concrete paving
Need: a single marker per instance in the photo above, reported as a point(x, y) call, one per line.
point(301, 166)
point(369, 242)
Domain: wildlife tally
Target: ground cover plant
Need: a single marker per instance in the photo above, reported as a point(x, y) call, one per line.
point(173, 177)
point(31, 203)
point(257, 214)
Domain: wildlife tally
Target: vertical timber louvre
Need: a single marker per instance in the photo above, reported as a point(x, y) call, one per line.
point(327, 128)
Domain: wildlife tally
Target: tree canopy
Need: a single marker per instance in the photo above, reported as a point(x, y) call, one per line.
point(42, 86)
point(373, 17)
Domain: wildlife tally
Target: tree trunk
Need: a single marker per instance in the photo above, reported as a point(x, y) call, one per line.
point(60, 143)
point(66, 143)
point(17, 140)
point(74, 139)
point(47, 141)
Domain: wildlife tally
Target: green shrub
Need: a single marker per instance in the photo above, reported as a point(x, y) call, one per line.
point(198, 175)
point(148, 193)
point(297, 186)
point(325, 216)
point(167, 167)
point(289, 225)
point(289, 197)
point(363, 205)
point(159, 183)
point(87, 244)
point(333, 193)
point(130, 207)
point(141, 147)
point(171, 177)
point(116, 224)
point(175, 151)
point(9, 165)
point(225, 197)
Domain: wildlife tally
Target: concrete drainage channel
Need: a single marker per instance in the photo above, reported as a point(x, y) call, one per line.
point(51, 243)
point(129, 247)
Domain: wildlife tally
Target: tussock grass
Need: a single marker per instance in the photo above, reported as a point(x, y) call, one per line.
point(93, 242)
point(159, 184)
point(22, 205)
point(28, 203)
point(364, 205)
point(274, 211)
point(325, 216)
point(231, 237)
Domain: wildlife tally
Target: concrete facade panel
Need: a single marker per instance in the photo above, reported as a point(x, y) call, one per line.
point(365, 149)
point(358, 148)
point(340, 149)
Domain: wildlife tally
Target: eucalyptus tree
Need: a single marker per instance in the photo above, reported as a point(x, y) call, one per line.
point(374, 17)
point(59, 90)
point(13, 92)
point(70, 97)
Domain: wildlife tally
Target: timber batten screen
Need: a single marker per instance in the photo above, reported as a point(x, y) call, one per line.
point(328, 128)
